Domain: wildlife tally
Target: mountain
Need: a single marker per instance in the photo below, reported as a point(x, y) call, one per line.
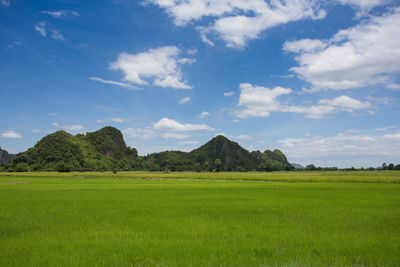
point(102, 150)
point(233, 158)
point(297, 166)
point(5, 156)
point(106, 150)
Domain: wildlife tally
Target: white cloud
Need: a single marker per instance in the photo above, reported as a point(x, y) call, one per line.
point(169, 135)
point(56, 35)
point(258, 101)
point(229, 93)
point(244, 137)
point(339, 148)
point(53, 114)
point(73, 127)
point(125, 85)
point(117, 120)
point(11, 134)
point(35, 131)
point(184, 100)
point(162, 65)
point(172, 125)
point(380, 100)
point(41, 28)
point(385, 128)
point(346, 103)
point(58, 14)
point(5, 2)
point(305, 45)
point(238, 21)
point(363, 4)
point(140, 133)
point(366, 54)
point(204, 114)
point(394, 86)
point(188, 142)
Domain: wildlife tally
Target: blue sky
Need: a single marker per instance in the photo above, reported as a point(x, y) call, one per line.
point(317, 79)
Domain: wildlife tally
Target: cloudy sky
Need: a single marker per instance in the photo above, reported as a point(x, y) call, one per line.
point(319, 80)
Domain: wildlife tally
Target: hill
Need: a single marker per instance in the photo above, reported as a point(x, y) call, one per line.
point(106, 150)
point(233, 158)
point(5, 156)
point(102, 150)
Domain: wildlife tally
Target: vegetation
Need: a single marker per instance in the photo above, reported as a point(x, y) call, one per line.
point(59, 219)
point(60, 151)
point(219, 154)
point(105, 150)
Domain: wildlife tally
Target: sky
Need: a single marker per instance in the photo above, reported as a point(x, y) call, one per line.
point(319, 80)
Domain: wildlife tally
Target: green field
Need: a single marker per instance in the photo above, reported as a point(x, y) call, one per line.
point(200, 219)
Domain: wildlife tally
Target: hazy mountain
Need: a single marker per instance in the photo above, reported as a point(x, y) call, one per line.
point(5, 156)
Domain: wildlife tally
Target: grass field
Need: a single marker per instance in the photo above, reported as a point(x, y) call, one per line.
point(200, 219)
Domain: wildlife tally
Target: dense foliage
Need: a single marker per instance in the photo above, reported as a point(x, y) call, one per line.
point(98, 151)
point(105, 150)
point(219, 154)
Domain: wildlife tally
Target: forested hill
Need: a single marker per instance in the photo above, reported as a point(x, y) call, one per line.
point(106, 150)
point(219, 153)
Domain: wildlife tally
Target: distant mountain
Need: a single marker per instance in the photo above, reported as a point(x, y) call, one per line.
point(105, 149)
point(297, 166)
point(233, 158)
point(5, 156)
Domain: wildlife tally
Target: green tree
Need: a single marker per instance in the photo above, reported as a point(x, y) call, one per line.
point(261, 167)
point(218, 165)
point(206, 165)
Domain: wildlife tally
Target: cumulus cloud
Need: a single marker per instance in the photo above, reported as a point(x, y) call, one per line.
point(238, 21)
point(204, 114)
point(366, 54)
point(340, 147)
point(125, 85)
point(59, 14)
point(74, 127)
point(161, 65)
point(172, 125)
point(258, 101)
point(184, 100)
point(11, 134)
point(40, 27)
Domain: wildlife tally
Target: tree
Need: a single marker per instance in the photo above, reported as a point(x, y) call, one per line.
point(218, 165)
point(391, 166)
point(206, 165)
point(311, 167)
point(261, 167)
point(384, 166)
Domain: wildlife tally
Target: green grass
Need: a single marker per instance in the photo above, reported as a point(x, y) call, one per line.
point(51, 219)
point(317, 176)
